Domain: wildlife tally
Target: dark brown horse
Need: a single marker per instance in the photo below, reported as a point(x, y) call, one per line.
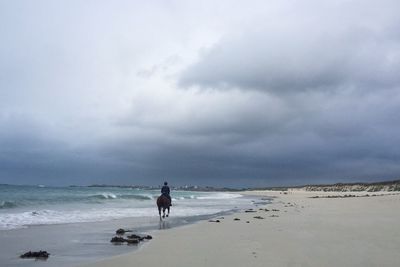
point(164, 203)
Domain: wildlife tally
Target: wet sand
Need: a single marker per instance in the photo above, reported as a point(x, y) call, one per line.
point(295, 231)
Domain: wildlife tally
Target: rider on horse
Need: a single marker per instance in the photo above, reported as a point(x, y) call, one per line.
point(165, 191)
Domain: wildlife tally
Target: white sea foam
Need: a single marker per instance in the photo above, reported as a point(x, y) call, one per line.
point(220, 196)
point(23, 219)
point(109, 195)
point(178, 198)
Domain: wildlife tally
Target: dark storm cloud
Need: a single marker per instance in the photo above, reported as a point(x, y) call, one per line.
point(349, 137)
point(31, 155)
point(338, 78)
point(280, 93)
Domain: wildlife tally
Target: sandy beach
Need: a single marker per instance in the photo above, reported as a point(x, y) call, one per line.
point(295, 231)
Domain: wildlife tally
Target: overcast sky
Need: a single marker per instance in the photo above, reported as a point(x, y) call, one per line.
point(225, 93)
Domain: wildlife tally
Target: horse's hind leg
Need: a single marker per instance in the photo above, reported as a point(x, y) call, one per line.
point(159, 212)
point(163, 213)
point(168, 212)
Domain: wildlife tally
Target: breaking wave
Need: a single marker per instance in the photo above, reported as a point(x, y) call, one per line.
point(7, 204)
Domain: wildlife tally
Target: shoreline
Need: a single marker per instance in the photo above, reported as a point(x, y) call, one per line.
point(302, 231)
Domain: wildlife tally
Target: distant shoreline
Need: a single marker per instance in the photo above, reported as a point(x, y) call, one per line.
point(345, 187)
point(389, 185)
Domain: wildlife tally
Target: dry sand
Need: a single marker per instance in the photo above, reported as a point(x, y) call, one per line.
point(358, 231)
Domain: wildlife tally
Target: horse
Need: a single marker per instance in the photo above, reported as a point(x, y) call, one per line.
point(164, 203)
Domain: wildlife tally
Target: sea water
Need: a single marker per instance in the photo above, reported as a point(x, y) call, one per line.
point(75, 224)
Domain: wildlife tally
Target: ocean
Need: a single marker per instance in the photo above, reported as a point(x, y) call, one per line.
point(75, 224)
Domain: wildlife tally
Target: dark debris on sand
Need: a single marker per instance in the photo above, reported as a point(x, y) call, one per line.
point(250, 210)
point(121, 231)
point(130, 239)
point(35, 254)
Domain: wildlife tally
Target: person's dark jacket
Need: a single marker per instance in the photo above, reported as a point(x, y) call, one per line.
point(165, 190)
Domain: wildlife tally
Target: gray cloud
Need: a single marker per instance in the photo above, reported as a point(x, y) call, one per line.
point(281, 93)
point(311, 51)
